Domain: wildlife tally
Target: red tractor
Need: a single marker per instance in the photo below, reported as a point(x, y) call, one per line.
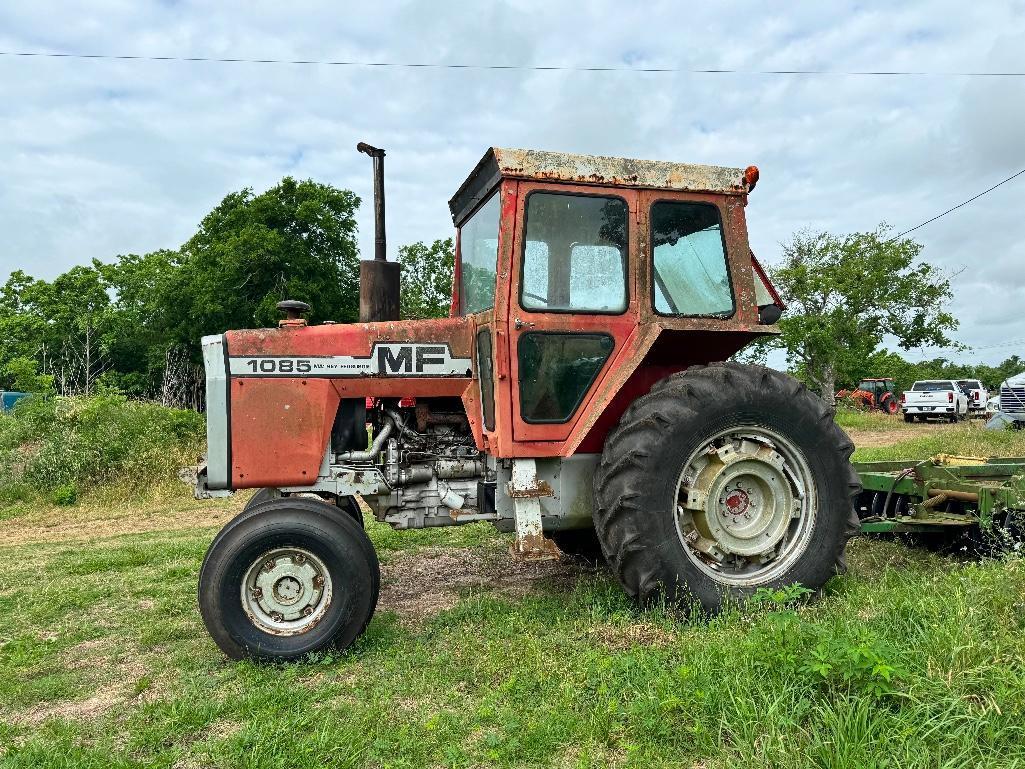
point(874, 394)
point(573, 393)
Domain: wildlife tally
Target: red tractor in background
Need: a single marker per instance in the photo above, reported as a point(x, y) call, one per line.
point(573, 394)
point(874, 394)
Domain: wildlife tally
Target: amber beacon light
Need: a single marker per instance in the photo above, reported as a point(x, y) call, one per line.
point(751, 177)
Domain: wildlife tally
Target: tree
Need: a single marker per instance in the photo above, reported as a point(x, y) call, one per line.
point(64, 325)
point(297, 240)
point(141, 287)
point(845, 293)
point(426, 279)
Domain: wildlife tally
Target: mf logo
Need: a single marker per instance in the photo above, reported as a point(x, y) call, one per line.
point(410, 358)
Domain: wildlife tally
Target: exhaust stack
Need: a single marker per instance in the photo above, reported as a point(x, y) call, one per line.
point(378, 278)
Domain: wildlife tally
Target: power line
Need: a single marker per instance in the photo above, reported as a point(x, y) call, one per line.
point(959, 205)
point(521, 67)
point(939, 351)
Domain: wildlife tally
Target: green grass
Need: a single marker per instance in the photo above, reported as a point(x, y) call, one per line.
point(858, 419)
point(568, 676)
point(966, 439)
point(908, 660)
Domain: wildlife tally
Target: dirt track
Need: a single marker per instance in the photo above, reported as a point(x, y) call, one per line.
point(865, 439)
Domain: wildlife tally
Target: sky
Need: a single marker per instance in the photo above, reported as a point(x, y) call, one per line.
point(99, 158)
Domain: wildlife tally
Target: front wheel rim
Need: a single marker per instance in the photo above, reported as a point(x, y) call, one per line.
point(286, 591)
point(745, 505)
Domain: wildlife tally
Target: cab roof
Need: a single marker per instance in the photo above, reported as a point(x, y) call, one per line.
point(539, 165)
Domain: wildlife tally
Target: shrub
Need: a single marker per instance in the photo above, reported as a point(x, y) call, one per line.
point(65, 495)
point(58, 447)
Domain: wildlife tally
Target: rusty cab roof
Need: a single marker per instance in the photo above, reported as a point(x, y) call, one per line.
point(539, 165)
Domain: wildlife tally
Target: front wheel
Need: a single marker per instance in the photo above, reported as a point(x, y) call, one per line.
point(722, 480)
point(286, 578)
point(347, 504)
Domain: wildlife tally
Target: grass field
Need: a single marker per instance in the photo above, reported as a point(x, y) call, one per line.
point(908, 660)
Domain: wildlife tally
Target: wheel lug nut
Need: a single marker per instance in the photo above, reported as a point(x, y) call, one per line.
point(307, 611)
point(257, 592)
point(318, 581)
point(299, 559)
point(277, 616)
point(269, 566)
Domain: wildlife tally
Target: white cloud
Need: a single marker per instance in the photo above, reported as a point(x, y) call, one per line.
point(102, 157)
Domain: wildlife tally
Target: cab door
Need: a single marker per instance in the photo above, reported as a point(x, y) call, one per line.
point(572, 303)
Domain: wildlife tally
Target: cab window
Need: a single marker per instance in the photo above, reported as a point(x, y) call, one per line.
point(691, 276)
point(478, 258)
point(574, 254)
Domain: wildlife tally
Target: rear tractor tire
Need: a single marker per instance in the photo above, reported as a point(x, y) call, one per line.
point(288, 577)
point(722, 480)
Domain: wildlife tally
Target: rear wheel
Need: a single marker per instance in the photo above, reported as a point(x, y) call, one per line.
point(724, 479)
point(286, 578)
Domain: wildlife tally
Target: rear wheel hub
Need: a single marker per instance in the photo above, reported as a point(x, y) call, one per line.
point(745, 504)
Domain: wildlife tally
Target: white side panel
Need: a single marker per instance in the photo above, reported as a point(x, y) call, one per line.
point(217, 428)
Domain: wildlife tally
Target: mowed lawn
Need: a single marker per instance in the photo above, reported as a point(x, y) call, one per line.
point(910, 659)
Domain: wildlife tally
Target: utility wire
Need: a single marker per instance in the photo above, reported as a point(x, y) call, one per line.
point(521, 67)
point(959, 205)
point(939, 351)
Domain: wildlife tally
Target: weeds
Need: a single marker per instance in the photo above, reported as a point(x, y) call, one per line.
point(851, 418)
point(57, 448)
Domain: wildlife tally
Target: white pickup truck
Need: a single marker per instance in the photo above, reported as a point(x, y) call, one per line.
point(934, 398)
point(977, 395)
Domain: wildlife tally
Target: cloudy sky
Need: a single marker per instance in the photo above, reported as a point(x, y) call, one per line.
point(105, 157)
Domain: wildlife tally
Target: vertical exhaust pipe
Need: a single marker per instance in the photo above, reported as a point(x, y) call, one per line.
point(378, 278)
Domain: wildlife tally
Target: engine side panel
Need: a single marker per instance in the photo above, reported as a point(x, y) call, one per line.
point(279, 429)
point(286, 384)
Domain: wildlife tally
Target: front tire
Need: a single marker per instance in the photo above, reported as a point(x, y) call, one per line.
point(286, 578)
point(348, 504)
point(724, 479)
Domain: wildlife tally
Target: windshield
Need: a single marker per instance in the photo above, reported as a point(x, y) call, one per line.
point(478, 257)
point(930, 387)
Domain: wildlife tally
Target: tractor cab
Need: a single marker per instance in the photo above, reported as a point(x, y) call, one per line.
point(586, 279)
point(878, 387)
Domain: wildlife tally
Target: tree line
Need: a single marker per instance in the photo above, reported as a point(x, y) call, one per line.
point(133, 323)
